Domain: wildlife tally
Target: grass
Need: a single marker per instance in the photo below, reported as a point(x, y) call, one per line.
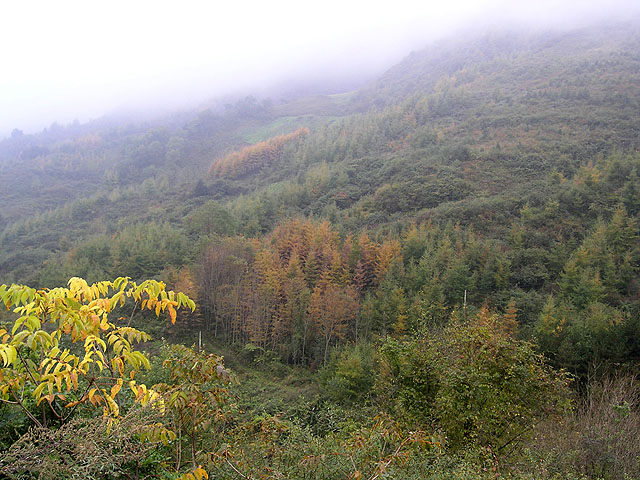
point(279, 126)
point(282, 125)
point(265, 385)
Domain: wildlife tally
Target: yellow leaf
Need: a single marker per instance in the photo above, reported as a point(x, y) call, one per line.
point(49, 398)
point(116, 388)
point(113, 406)
point(38, 391)
point(200, 473)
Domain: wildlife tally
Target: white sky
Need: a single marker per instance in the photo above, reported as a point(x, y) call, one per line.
point(61, 60)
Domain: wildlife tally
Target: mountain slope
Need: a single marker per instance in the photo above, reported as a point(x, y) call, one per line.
point(467, 130)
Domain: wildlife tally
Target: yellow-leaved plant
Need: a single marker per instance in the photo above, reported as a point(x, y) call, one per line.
point(64, 350)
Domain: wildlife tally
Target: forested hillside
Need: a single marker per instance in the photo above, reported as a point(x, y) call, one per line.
point(454, 247)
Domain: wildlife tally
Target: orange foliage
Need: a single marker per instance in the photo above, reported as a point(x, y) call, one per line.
point(254, 157)
point(300, 292)
point(387, 254)
point(331, 309)
point(185, 282)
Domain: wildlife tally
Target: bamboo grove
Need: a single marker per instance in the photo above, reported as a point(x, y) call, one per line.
point(298, 292)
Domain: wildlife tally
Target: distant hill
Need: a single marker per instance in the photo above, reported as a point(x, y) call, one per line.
point(453, 132)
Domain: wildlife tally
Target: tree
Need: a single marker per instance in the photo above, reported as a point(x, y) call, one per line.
point(492, 386)
point(293, 316)
point(185, 282)
point(365, 270)
point(212, 218)
point(64, 347)
point(221, 267)
point(480, 384)
point(195, 396)
point(331, 309)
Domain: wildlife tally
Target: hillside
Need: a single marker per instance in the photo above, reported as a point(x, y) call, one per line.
point(474, 132)
point(411, 248)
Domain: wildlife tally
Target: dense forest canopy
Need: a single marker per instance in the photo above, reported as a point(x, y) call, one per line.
point(453, 249)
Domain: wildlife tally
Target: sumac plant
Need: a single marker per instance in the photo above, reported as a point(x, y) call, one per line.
point(65, 350)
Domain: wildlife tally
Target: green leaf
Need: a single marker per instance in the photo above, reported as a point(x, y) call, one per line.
point(19, 338)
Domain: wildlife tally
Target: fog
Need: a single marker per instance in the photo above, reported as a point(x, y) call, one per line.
point(71, 60)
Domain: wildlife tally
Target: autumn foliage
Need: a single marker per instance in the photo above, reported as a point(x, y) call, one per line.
point(254, 157)
point(296, 292)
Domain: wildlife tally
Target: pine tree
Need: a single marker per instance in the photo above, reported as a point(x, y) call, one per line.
point(510, 318)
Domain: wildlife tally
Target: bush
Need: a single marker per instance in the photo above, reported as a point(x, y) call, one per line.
point(85, 448)
point(600, 438)
point(475, 381)
point(350, 374)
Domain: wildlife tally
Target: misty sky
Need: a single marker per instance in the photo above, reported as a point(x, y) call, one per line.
point(63, 60)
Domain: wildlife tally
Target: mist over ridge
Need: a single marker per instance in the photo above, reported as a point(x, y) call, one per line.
point(71, 62)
